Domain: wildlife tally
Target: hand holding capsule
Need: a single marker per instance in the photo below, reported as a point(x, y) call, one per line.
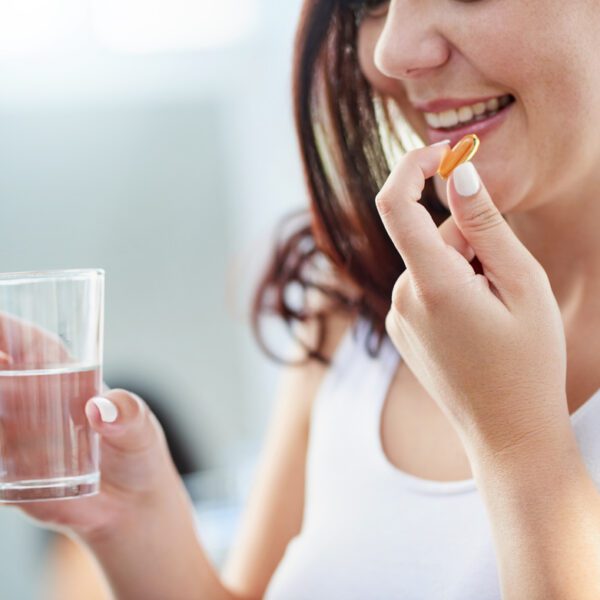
point(488, 347)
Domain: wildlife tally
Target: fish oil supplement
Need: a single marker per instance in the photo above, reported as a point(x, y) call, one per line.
point(464, 150)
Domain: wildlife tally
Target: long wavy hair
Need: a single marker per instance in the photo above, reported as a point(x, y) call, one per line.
point(349, 138)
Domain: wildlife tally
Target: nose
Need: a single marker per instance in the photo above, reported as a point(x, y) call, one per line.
point(410, 44)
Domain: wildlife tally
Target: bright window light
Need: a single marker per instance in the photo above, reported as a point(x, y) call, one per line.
point(31, 27)
point(149, 26)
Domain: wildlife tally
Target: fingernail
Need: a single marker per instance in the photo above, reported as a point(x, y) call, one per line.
point(440, 143)
point(108, 411)
point(466, 179)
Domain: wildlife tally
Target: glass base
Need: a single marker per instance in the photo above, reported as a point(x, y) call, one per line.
point(60, 488)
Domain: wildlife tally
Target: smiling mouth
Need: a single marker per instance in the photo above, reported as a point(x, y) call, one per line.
point(453, 119)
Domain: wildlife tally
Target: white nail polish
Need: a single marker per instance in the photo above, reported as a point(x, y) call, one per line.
point(466, 179)
point(440, 143)
point(108, 411)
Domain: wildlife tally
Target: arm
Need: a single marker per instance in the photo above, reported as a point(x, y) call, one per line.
point(468, 337)
point(69, 570)
point(275, 507)
point(545, 515)
point(155, 552)
point(168, 545)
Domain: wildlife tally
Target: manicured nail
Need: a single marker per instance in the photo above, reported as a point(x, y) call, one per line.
point(108, 411)
point(440, 143)
point(466, 179)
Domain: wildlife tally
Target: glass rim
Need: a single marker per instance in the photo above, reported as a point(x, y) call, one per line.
point(48, 275)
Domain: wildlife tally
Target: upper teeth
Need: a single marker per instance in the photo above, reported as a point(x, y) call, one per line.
point(450, 118)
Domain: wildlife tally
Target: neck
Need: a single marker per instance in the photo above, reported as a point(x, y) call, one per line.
point(563, 237)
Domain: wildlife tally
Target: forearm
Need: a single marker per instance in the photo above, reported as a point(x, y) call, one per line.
point(156, 554)
point(545, 514)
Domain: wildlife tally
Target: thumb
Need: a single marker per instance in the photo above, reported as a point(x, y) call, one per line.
point(499, 250)
point(123, 420)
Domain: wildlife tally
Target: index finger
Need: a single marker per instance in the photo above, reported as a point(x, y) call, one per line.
point(408, 223)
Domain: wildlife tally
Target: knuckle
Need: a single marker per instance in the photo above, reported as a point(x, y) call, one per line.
point(408, 295)
point(429, 297)
point(390, 322)
point(406, 291)
point(414, 189)
point(400, 292)
point(383, 203)
point(397, 294)
point(483, 218)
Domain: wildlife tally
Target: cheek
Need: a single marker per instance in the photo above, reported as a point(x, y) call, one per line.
point(553, 72)
point(368, 34)
point(542, 61)
point(556, 79)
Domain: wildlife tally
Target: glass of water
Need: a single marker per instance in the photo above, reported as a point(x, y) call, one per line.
point(51, 343)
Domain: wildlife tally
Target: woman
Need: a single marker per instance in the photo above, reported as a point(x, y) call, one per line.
point(450, 452)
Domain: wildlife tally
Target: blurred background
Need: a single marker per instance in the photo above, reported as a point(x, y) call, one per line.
point(154, 139)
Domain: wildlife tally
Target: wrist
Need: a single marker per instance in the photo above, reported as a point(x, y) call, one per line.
point(550, 448)
point(536, 426)
point(153, 550)
point(126, 514)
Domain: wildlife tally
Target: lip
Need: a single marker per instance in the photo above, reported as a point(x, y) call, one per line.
point(442, 104)
point(481, 128)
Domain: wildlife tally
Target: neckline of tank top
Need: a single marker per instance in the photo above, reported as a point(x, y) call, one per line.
point(391, 356)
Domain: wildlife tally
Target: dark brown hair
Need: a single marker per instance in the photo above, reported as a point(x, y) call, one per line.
point(337, 245)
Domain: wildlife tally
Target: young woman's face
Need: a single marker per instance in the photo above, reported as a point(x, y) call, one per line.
point(542, 52)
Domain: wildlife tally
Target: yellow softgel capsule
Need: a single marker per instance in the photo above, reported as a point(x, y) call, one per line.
point(463, 151)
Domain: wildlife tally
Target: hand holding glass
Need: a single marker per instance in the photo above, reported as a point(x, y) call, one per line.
point(51, 336)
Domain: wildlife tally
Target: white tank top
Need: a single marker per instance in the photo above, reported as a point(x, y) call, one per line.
point(372, 531)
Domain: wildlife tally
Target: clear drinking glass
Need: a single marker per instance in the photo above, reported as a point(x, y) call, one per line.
point(51, 343)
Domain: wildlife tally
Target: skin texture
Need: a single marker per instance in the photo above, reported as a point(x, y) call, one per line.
point(492, 349)
point(544, 54)
point(540, 165)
